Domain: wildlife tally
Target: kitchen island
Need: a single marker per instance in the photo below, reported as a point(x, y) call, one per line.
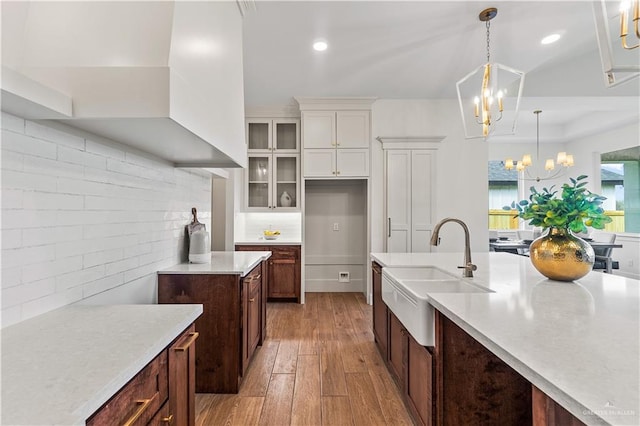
point(232, 289)
point(576, 342)
point(62, 366)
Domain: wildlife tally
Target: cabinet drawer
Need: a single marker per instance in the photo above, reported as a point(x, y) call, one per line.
point(139, 400)
point(254, 275)
point(286, 252)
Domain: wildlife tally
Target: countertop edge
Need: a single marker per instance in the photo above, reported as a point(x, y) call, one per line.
point(561, 397)
point(267, 243)
point(182, 268)
point(126, 375)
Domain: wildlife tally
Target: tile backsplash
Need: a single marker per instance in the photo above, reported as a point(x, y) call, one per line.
point(87, 220)
point(249, 226)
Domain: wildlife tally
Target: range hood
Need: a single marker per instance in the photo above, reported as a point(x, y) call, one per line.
point(164, 77)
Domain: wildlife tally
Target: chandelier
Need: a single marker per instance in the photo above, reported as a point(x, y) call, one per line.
point(624, 13)
point(618, 36)
point(525, 164)
point(485, 91)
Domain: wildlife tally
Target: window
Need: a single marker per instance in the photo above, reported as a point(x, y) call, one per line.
point(503, 189)
point(620, 183)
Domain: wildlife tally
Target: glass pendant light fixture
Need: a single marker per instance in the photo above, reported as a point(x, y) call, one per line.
point(485, 91)
point(527, 167)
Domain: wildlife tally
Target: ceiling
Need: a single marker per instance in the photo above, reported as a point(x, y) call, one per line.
point(419, 49)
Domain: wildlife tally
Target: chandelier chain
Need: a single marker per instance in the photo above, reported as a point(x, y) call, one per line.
point(488, 42)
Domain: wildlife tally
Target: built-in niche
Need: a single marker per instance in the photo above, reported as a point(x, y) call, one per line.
point(335, 235)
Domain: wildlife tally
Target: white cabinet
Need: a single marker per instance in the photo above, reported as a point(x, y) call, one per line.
point(336, 162)
point(409, 178)
point(336, 143)
point(273, 135)
point(273, 172)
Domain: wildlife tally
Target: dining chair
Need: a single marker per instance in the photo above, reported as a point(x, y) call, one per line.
point(603, 255)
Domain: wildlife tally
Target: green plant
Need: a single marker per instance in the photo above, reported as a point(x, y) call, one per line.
point(576, 209)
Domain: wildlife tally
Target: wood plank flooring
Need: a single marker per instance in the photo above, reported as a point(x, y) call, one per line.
point(318, 366)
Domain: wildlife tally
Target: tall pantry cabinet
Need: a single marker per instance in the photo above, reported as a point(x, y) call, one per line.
point(409, 193)
point(336, 157)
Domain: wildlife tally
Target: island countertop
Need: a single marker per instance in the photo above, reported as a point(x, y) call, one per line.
point(578, 342)
point(223, 263)
point(60, 367)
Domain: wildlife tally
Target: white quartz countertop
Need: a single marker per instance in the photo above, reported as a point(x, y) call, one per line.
point(60, 367)
point(222, 263)
point(261, 241)
point(578, 342)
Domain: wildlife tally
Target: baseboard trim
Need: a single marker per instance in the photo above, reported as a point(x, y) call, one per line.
point(329, 286)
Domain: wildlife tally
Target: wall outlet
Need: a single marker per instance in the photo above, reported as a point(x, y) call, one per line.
point(630, 263)
point(336, 226)
point(343, 277)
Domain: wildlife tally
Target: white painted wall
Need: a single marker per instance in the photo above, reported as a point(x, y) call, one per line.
point(87, 220)
point(461, 183)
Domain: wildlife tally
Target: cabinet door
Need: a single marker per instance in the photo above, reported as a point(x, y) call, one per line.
point(286, 170)
point(286, 137)
point(319, 129)
point(352, 129)
point(398, 200)
point(397, 336)
point(352, 163)
point(253, 314)
point(258, 178)
point(259, 135)
point(319, 162)
point(421, 201)
point(284, 266)
point(419, 381)
point(182, 378)
point(380, 315)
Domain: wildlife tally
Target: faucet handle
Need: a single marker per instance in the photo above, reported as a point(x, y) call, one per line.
point(468, 269)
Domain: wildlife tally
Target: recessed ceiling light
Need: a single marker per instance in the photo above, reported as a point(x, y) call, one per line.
point(551, 38)
point(320, 45)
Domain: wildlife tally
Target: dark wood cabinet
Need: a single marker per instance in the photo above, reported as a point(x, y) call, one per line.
point(162, 393)
point(411, 365)
point(182, 380)
point(380, 311)
point(140, 399)
point(548, 412)
point(418, 381)
point(251, 300)
point(396, 343)
point(224, 350)
point(476, 386)
point(284, 270)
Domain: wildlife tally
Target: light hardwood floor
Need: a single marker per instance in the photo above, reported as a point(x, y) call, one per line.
point(318, 366)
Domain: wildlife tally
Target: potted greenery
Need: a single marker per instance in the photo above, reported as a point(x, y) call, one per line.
point(561, 255)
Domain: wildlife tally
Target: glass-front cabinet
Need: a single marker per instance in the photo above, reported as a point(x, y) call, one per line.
point(273, 174)
point(271, 135)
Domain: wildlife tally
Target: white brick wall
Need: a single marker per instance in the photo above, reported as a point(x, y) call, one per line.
point(87, 221)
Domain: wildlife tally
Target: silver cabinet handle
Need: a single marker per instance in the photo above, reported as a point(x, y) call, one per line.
point(389, 228)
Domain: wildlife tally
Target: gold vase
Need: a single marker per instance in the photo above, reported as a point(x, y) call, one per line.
point(560, 255)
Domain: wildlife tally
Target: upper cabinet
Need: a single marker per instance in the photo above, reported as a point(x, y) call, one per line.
point(171, 86)
point(336, 135)
point(273, 173)
point(278, 135)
